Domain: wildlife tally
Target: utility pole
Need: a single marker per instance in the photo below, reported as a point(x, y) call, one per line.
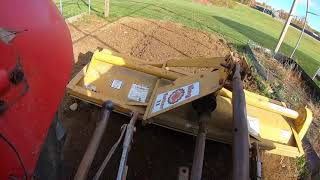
point(286, 26)
point(89, 7)
point(106, 8)
point(265, 6)
point(61, 11)
point(316, 74)
point(301, 34)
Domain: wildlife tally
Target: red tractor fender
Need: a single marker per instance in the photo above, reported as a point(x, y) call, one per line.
point(36, 58)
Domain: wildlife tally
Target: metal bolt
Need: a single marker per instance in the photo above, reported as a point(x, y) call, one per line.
point(16, 76)
point(3, 106)
point(221, 81)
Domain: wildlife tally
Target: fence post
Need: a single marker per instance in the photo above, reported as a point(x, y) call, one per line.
point(316, 74)
point(61, 11)
point(286, 26)
point(89, 7)
point(302, 31)
point(106, 8)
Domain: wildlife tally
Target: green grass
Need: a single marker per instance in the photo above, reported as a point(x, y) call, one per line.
point(302, 167)
point(237, 25)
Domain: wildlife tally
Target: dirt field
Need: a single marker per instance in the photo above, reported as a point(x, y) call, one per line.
point(157, 153)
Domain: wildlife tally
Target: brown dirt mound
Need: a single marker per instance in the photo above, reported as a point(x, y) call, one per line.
point(159, 41)
point(146, 39)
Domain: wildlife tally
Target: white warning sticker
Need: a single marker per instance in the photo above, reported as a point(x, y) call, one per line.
point(253, 125)
point(170, 98)
point(116, 84)
point(91, 87)
point(285, 134)
point(138, 93)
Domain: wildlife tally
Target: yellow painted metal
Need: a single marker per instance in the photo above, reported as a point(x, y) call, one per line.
point(264, 103)
point(303, 122)
point(263, 98)
point(280, 129)
point(196, 62)
point(199, 62)
point(272, 126)
point(99, 75)
point(270, 123)
point(134, 65)
point(276, 133)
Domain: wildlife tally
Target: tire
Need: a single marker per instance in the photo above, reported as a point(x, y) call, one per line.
point(50, 162)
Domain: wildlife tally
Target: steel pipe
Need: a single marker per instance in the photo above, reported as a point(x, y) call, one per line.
point(198, 156)
point(92, 148)
point(256, 163)
point(127, 146)
point(133, 63)
point(240, 144)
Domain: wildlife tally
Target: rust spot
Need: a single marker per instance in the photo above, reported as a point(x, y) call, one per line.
point(221, 81)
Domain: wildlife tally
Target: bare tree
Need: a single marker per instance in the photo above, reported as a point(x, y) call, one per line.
point(106, 8)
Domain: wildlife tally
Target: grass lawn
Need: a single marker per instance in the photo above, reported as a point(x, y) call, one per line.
point(237, 25)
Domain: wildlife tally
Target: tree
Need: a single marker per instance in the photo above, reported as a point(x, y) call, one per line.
point(106, 8)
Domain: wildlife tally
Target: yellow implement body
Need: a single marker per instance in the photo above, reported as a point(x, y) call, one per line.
point(163, 94)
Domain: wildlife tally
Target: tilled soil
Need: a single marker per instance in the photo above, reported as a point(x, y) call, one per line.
point(157, 153)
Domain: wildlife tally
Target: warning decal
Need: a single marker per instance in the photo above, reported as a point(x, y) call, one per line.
point(170, 98)
point(253, 125)
point(116, 84)
point(138, 93)
point(285, 134)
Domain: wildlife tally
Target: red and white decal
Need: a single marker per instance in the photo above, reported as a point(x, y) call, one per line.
point(170, 98)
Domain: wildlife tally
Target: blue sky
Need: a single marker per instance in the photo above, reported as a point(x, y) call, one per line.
point(314, 6)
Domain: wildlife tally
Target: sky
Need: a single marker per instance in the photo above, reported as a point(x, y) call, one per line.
point(314, 6)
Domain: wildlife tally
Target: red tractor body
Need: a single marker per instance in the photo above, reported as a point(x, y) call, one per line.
point(36, 59)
